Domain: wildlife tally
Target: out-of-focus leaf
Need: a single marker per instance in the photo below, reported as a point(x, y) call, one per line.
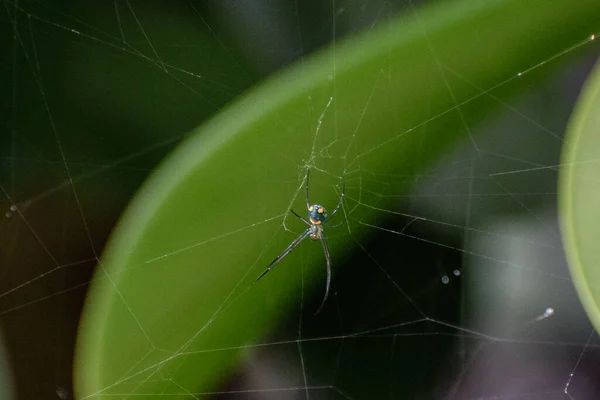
point(579, 196)
point(175, 283)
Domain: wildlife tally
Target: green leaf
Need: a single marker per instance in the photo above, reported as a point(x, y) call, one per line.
point(579, 197)
point(175, 282)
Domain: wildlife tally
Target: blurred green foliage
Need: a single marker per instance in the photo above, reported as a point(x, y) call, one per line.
point(175, 282)
point(579, 197)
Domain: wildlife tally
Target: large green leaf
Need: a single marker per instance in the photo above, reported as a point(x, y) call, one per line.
point(580, 197)
point(175, 281)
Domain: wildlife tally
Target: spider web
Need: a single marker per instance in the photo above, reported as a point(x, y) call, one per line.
point(459, 291)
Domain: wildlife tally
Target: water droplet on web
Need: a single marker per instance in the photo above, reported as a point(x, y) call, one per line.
point(62, 392)
point(456, 272)
point(13, 208)
point(445, 279)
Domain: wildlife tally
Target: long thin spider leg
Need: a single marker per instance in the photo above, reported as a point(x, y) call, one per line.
point(287, 251)
point(307, 176)
point(328, 259)
point(303, 220)
point(340, 202)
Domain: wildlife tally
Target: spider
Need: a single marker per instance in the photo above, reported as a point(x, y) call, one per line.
point(317, 218)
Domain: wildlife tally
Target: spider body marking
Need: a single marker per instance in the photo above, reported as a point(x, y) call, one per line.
point(317, 218)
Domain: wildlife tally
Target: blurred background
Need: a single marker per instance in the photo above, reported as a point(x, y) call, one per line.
point(94, 96)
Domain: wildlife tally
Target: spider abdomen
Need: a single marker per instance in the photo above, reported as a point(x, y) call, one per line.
point(317, 214)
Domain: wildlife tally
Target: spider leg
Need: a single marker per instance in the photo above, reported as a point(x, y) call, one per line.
point(340, 202)
point(287, 251)
point(328, 259)
point(303, 220)
point(307, 176)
